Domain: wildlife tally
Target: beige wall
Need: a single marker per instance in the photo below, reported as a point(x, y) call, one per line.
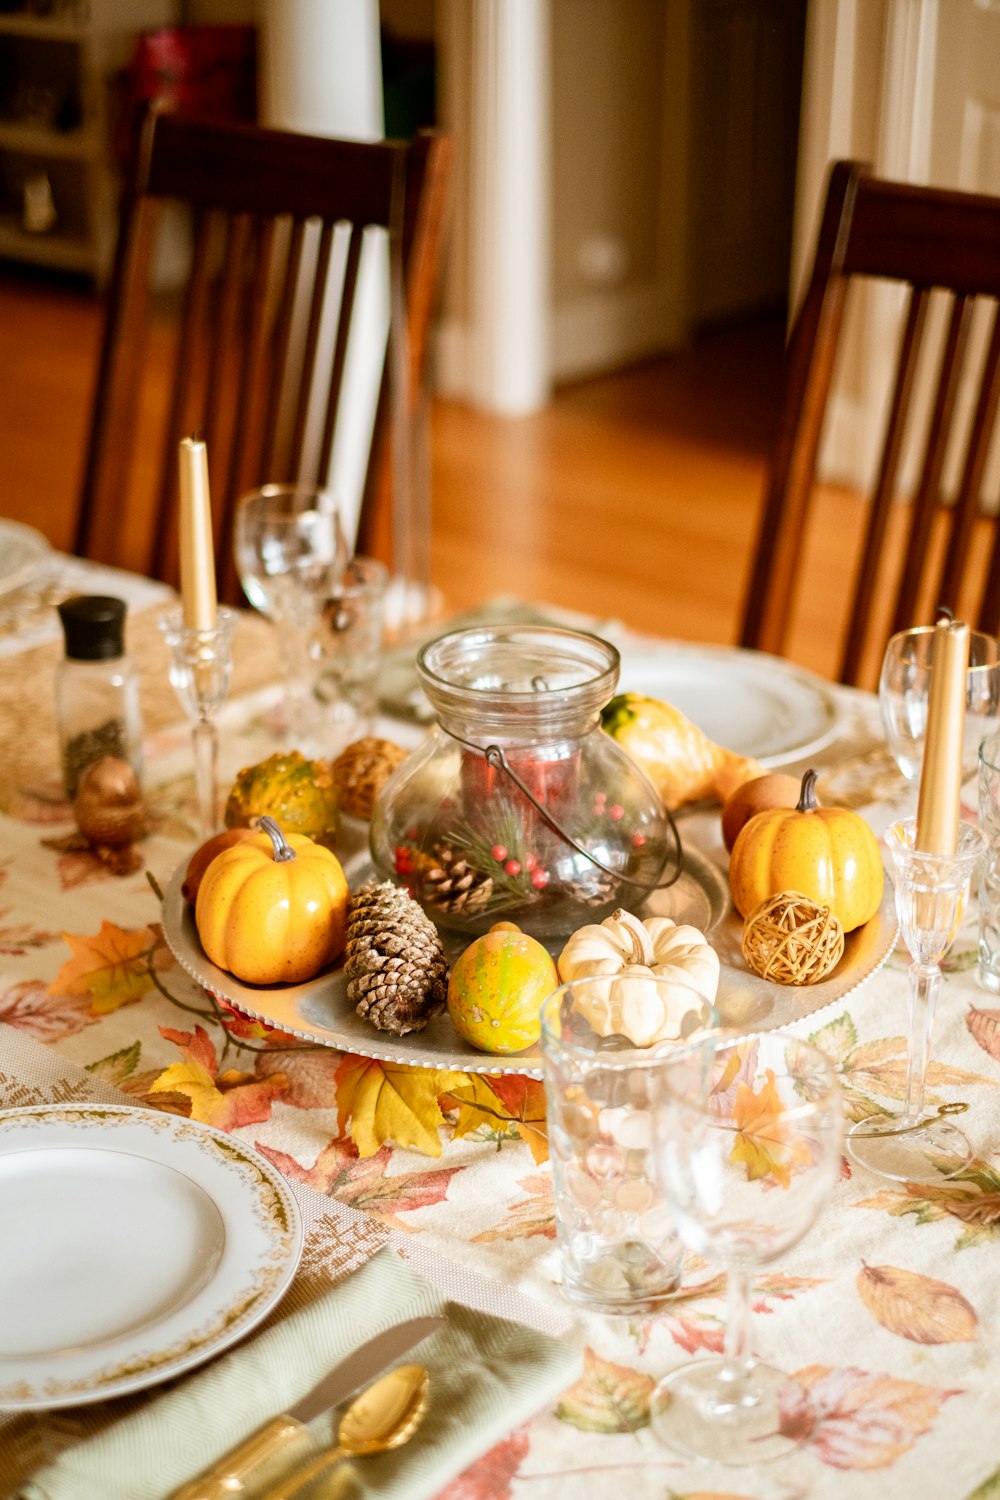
point(607, 108)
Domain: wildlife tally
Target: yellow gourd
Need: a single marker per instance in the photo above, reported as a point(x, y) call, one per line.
point(273, 910)
point(828, 853)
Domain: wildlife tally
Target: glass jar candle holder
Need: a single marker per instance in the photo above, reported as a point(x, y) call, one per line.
point(517, 807)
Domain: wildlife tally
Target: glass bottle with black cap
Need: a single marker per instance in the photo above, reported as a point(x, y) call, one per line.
point(97, 695)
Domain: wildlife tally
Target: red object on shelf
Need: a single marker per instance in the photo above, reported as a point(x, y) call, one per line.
point(207, 71)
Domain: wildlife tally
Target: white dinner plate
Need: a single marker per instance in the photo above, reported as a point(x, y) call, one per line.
point(136, 1245)
point(23, 554)
point(758, 705)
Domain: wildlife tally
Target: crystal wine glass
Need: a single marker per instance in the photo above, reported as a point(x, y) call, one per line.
point(932, 891)
point(291, 554)
point(904, 692)
point(748, 1150)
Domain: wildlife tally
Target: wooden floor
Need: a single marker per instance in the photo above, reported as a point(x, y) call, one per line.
point(634, 495)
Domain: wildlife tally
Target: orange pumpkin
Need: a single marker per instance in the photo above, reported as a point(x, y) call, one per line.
point(273, 910)
point(828, 853)
point(496, 989)
point(774, 790)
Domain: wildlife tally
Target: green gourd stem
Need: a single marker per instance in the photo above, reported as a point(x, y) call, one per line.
point(808, 801)
point(282, 849)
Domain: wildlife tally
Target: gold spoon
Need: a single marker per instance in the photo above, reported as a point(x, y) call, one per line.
point(384, 1416)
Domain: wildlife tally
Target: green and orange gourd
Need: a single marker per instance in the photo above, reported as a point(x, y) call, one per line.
point(496, 989)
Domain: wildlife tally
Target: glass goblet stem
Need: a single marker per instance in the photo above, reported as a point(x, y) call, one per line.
point(925, 981)
point(205, 739)
point(733, 1374)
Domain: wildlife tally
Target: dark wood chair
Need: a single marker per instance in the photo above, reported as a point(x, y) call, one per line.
point(922, 549)
point(250, 351)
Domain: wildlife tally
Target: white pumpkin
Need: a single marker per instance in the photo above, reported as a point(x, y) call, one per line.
point(631, 954)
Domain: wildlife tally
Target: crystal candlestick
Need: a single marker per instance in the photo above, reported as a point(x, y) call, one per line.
point(932, 891)
point(200, 665)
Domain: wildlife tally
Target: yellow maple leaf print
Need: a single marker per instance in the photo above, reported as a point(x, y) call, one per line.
point(767, 1142)
point(390, 1102)
point(113, 967)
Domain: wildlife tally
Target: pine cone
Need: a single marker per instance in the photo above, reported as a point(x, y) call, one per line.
point(453, 885)
point(595, 890)
point(397, 974)
point(361, 770)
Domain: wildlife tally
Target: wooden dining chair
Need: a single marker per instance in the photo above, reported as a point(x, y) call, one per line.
point(250, 350)
point(924, 548)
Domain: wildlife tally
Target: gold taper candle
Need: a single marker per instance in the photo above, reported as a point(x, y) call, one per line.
point(198, 596)
point(941, 775)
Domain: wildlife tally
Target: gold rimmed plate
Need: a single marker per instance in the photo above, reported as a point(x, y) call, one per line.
point(137, 1245)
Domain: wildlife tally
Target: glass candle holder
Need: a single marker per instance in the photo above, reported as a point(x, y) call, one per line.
point(932, 892)
point(517, 806)
point(200, 667)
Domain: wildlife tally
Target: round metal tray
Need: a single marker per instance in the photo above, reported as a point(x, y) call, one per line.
point(319, 1011)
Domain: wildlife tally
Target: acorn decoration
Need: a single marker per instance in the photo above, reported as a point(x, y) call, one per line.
point(396, 971)
point(790, 939)
point(110, 813)
point(361, 770)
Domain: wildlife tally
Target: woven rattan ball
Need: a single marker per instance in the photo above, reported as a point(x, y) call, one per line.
point(790, 939)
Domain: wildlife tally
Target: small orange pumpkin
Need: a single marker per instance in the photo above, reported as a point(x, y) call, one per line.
point(273, 910)
point(828, 853)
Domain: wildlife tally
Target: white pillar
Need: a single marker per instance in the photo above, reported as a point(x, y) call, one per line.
point(321, 67)
point(509, 218)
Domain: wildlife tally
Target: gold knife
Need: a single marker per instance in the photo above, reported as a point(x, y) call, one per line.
point(228, 1475)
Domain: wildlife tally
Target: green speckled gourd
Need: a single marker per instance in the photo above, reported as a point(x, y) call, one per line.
point(298, 793)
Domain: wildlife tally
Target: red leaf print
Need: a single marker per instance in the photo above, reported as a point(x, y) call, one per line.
point(984, 1028)
point(489, 1478)
point(364, 1183)
point(860, 1420)
point(698, 1331)
point(30, 1008)
point(310, 1075)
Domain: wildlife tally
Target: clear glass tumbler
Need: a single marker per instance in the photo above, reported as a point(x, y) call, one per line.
point(619, 1248)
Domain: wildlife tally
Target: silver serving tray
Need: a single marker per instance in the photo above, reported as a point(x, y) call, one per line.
point(319, 1011)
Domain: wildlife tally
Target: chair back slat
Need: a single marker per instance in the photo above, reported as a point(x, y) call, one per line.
point(928, 493)
point(257, 364)
point(969, 498)
point(885, 485)
point(933, 243)
point(348, 293)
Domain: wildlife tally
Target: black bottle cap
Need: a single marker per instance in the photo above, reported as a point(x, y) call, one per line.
point(94, 626)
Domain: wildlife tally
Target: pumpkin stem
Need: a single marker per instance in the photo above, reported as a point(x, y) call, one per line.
point(282, 850)
point(642, 947)
point(808, 801)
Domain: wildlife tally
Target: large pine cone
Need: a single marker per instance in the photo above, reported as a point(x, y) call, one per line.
point(397, 974)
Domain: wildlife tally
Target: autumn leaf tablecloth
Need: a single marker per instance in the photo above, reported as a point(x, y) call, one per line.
point(888, 1312)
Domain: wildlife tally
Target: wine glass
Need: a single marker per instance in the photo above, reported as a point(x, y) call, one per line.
point(748, 1139)
point(291, 554)
point(932, 891)
point(290, 549)
point(904, 692)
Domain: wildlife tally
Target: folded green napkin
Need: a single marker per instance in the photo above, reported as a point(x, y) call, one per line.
point(486, 1376)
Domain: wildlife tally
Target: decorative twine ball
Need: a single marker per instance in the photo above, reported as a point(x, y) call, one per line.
point(361, 771)
point(790, 939)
